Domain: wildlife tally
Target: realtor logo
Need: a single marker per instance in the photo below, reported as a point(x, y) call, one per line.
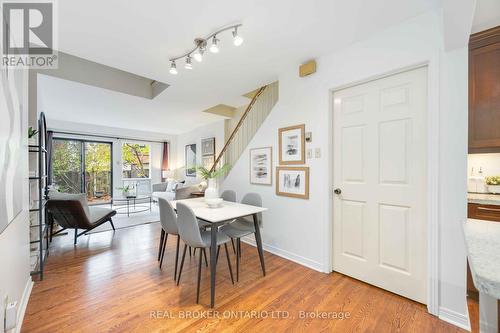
point(28, 35)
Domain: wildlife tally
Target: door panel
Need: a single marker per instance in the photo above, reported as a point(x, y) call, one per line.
point(380, 166)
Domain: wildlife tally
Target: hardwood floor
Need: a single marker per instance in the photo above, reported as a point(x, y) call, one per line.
point(112, 283)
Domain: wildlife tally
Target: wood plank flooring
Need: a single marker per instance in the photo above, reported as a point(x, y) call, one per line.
point(110, 282)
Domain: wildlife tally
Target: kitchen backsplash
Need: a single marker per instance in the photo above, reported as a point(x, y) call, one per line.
point(480, 166)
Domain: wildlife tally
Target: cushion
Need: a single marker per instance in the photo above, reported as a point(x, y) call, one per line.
point(170, 185)
point(97, 213)
point(82, 197)
point(165, 195)
point(177, 186)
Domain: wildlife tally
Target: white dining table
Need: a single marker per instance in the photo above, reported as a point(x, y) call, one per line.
point(225, 213)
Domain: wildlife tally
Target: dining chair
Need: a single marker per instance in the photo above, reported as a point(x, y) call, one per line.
point(168, 221)
point(228, 195)
point(244, 226)
point(199, 239)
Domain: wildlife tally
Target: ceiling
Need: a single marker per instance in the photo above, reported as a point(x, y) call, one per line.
point(140, 36)
point(486, 15)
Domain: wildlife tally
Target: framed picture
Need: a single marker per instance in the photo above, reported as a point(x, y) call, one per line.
point(208, 147)
point(207, 161)
point(261, 166)
point(190, 160)
point(292, 145)
point(292, 182)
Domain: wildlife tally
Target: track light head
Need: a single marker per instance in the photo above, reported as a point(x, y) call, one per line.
point(214, 48)
point(237, 39)
point(198, 56)
point(173, 68)
point(188, 64)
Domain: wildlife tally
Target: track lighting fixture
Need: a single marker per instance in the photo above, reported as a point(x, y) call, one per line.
point(214, 48)
point(201, 46)
point(237, 39)
point(188, 64)
point(173, 68)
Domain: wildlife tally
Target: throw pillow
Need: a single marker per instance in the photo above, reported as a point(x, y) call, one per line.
point(170, 185)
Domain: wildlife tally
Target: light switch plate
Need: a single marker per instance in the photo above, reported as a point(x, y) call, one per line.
point(10, 316)
point(309, 153)
point(317, 153)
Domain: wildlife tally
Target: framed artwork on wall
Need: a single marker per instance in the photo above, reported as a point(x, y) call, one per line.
point(208, 147)
point(261, 164)
point(292, 182)
point(292, 145)
point(190, 160)
point(207, 161)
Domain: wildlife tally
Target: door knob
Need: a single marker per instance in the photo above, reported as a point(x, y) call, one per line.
point(337, 191)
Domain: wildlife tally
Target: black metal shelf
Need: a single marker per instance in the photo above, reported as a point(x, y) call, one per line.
point(40, 204)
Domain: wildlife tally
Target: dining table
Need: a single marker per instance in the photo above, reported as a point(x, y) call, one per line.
point(226, 212)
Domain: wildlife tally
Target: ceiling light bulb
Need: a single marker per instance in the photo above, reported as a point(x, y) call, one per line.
point(237, 40)
point(173, 68)
point(198, 56)
point(214, 48)
point(188, 64)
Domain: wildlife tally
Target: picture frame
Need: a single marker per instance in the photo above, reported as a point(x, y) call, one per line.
point(261, 166)
point(190, 160)
point(292, 145)
point(292, 182)
point(208, 147)
point(208, 161)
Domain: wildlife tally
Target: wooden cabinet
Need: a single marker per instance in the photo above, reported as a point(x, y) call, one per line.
point(484, 91)
point(483, 212)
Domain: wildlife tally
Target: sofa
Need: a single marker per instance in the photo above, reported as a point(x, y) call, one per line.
point(173, 190)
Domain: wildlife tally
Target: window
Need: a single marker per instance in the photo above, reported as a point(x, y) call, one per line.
point(136, 160)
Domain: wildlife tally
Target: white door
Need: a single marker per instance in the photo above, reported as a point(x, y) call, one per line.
point(380, 169)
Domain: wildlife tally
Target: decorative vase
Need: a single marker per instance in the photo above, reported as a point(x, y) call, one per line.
point(211, 192)
point(495, 189)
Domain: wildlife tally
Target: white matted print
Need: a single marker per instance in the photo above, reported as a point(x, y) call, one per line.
point(292, 145)
point(208, 147)
point(292, 182)
point(261, 164)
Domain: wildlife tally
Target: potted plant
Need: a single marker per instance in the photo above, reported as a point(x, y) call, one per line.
point(211, 176)
point(126, 190)
point(493, 183)
point(31, 136)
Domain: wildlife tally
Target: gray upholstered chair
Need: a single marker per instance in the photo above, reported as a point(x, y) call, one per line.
point(193, 237)
point(168, 221)
point(244, 226)
point(229, 195)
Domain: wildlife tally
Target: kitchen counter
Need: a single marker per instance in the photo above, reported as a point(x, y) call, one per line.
point(483, 198)
point(483, 249)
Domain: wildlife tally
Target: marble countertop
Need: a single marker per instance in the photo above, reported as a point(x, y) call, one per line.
point(483, 249)
point(483, 198)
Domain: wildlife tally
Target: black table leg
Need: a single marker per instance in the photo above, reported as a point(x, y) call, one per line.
point(213, 255)
point(258, 239)
point(128, 212)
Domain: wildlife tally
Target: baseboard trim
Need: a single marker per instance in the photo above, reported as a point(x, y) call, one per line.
point(250, 240)
point(23, 305)
point(455, 318)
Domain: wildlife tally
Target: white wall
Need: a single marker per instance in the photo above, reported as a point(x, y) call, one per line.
point(137, 136)
point(301, 229)
point(489, 164)
point(215, 129)
point(15, 280)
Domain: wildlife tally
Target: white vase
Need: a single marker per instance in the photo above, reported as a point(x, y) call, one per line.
point(211, 192)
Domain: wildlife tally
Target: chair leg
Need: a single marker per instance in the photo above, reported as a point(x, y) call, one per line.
point(51, 229)
point(232, 243)
point(182, 264)
point(176, 257)
point(205, 255)
point(229, 263)
point(112, 225)
point(164, 248)
point(190, 251)
point(239, 244)
point(217, 257)
point(199, 277)
point(76, 236)
point(162, 235)
point(237, 259)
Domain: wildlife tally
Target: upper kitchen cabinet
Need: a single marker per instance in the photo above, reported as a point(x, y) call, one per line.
point(484, 91)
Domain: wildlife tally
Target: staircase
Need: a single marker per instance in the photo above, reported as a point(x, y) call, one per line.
point(240, 130)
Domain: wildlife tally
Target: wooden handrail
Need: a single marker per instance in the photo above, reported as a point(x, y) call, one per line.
point(245, 114)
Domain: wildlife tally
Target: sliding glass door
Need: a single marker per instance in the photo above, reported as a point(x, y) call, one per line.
point(81, 166)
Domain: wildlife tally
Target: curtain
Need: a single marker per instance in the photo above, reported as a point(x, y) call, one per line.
point(48, 146)
point(164, 162)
